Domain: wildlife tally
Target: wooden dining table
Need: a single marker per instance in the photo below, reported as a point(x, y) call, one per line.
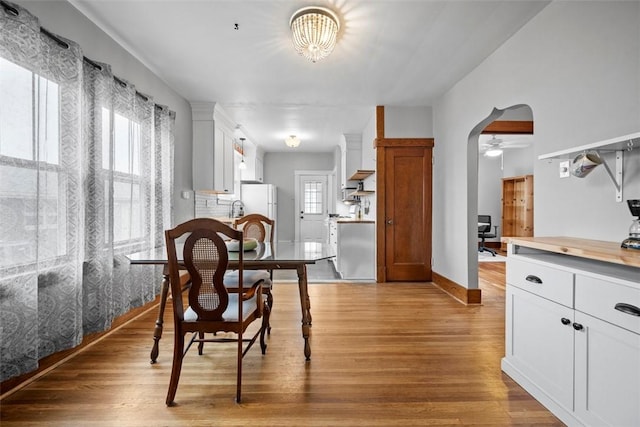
point(266, 256)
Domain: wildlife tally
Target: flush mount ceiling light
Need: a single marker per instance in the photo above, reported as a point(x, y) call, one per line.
point(314, 31)
point(292, 141)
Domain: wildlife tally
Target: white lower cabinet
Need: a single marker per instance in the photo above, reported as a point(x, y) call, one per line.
point(356, 250)
point(578, 354)
point(353, 243)
point(333, 240)
point(607, 373)
point(540, 343)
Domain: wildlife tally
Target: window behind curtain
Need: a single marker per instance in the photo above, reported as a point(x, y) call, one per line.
point(30, 141)
point(85, 166)
point(127, 180)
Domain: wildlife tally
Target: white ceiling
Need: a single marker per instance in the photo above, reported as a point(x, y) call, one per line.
point(389, 52)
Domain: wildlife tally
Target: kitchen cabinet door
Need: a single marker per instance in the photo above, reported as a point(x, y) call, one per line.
point(607, 373)
point(213, 163)
point(539, 343)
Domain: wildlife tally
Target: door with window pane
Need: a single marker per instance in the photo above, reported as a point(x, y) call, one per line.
point(312, 207)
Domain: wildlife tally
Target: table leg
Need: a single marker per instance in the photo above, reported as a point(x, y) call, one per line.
point(306, 311)
point(157, 332)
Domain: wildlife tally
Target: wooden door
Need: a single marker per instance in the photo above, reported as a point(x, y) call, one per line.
point(404, 209)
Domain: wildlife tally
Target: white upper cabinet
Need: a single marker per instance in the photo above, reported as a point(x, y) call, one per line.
point(351, 158)
point(213, 169)
point(253, 159)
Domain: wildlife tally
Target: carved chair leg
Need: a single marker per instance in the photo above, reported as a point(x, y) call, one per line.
point(265, 327)
point(178, 349)
point(270, 306)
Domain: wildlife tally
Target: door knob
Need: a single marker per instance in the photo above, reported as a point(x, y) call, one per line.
point(390, 221)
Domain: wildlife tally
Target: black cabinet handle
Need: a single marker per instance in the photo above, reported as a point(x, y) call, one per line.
point(578, 326)
point(565, 321)
point(533, 279)
point(628, 309)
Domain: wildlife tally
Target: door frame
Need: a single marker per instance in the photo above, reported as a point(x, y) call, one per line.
point(381, 214)
point(331, 195)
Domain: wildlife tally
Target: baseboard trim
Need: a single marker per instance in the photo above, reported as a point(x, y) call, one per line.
point(459, 292)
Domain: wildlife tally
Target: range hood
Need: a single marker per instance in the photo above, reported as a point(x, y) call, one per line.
point(347, 197)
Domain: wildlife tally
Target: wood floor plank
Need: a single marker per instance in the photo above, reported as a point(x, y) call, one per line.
point(401, 354)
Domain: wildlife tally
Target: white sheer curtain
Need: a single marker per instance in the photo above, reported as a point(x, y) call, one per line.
point(85, 178)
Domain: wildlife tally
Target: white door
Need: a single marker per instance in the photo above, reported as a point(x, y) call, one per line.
point(311, 205)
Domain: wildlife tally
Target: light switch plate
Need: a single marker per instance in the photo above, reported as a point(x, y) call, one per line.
point(564, 169)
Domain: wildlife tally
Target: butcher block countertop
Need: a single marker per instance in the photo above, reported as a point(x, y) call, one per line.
point(354, 220)
point(584, 248)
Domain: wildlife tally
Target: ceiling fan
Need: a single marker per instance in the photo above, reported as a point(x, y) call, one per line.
point(493, 147)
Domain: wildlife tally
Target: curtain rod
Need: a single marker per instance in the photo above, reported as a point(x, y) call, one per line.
point(55, 38)
point(117, 79)
point(10, 9)
point(15, 12)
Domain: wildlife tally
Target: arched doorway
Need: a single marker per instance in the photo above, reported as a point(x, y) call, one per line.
point(500, 148)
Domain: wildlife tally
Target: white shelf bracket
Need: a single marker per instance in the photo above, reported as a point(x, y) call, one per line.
point(617, 177)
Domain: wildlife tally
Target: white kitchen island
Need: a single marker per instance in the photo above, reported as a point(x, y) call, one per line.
point(353, 241)
point(573, 328)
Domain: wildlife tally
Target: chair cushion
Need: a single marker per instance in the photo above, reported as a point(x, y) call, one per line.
point(249, 277)
point(231, 313)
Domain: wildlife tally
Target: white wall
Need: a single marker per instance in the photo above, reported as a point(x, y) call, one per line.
point(63, 19)
point(408, 122)
point(279, 170)
point(490, 189)
point(577, 65)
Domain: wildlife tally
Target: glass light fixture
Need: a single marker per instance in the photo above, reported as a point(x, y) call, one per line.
point(494, 152)
point(292, 141)
point(242, 164)
point(314, 31)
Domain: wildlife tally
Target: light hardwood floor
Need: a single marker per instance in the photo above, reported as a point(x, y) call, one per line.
point(401, 354)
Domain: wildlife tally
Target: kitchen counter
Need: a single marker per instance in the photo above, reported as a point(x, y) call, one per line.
point(584, 248)
point(572, 327)
point(223, 219)
point(354, 221)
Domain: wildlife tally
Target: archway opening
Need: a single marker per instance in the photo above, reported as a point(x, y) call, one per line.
point(500, 151)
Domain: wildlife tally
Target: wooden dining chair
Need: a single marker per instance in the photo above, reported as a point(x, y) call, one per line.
point(261, 228)
point(211, 306)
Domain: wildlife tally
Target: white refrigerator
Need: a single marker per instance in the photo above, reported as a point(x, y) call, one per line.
point(260, 198)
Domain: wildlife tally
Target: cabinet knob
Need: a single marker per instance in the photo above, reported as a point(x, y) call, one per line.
point(565, 321)
point(390, 221)
point(578, 326)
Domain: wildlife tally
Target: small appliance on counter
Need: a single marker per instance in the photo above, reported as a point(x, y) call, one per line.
point(633, 241)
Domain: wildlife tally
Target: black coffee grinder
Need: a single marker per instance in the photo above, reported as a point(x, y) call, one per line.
point(633, 241)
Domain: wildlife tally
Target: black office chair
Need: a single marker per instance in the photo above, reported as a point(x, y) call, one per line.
point(484, 232)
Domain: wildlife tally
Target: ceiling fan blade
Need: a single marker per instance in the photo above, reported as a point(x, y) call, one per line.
point(514, 145)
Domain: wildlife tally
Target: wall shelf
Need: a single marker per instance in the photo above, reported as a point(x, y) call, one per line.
point(361, 174)
point(362, 193)
point(614, 145)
